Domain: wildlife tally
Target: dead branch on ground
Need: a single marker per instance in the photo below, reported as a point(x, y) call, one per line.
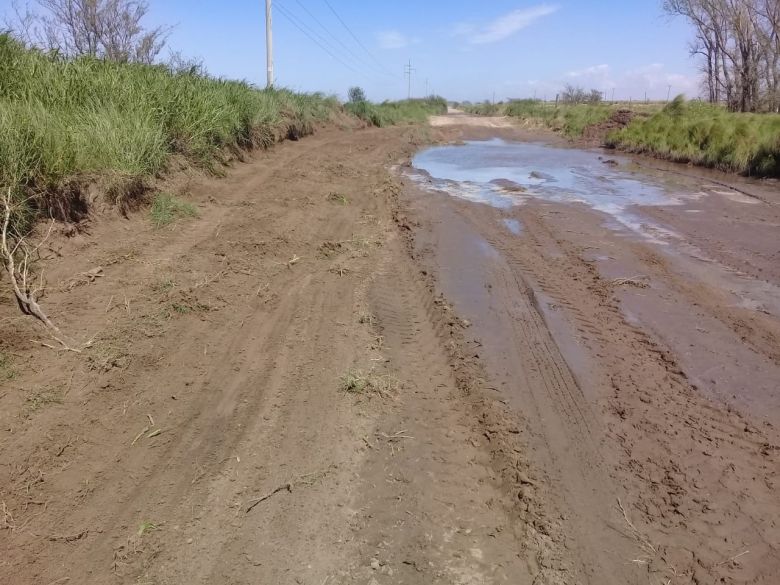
point(287, 486)
point(16, 254)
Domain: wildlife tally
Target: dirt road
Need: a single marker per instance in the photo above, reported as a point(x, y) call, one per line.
point(327, 378)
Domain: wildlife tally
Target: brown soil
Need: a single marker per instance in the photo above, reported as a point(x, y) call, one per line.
point(287, 390)
point(596, 133)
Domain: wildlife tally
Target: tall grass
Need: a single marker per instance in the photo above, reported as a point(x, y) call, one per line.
point(64, 122)
point(391, 113)
point(569, 119)
point(707, 135)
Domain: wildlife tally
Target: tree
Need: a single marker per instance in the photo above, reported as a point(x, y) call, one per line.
point(577, 95)
point(356, 95)
point(595, 96)
point(109, 29)
point(739, 41)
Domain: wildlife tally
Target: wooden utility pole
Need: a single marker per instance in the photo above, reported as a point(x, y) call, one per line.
point(269, 45)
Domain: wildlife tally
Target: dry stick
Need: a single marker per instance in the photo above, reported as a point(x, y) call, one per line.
point(732, 559)
point(645, 544)
point(287, 486)
point(26, 296)
point(139, 435)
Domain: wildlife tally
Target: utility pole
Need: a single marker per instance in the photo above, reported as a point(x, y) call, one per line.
point(613, 95)
point(426, 87)
point(669, 93)
point(269, 45)
point(408, 70)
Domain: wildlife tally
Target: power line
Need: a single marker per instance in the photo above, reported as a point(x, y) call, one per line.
point(293, 21)
point(313, 35)
point(357, 40)
point(357, 58)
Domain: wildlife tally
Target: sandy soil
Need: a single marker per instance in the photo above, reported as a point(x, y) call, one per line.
point(518, 423)
point(458, 118)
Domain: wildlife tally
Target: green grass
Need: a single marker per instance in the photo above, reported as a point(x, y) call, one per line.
point(7, 371)
point(67, 123)
point(400, 112)
point(569, 119)
point(680, 131)
point(166, 209)
point(706, 135)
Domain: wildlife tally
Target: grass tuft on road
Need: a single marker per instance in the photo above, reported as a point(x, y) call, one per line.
point(166, 209)
point(363, 383)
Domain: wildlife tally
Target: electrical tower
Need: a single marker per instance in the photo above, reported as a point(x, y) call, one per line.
point(408, 70)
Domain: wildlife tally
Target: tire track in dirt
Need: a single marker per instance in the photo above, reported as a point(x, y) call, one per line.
point(675, 456)
point(422, 345)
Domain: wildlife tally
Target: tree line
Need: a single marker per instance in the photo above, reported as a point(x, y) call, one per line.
point(738, 42)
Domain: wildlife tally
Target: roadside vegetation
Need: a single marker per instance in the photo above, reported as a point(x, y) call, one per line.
point(574, 110)
point(390, 113)
point(706, 135)
point(571, 119)
point(682, 131)
point(66, 122)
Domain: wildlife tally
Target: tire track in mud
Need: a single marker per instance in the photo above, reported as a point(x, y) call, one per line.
point(423, 346)
point(669, 438)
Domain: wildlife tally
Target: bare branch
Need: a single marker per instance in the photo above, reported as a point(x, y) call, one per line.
point(16, 254)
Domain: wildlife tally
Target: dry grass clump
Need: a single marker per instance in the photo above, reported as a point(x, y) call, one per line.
point(367, 383)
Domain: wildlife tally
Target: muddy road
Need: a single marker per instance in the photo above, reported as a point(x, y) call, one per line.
point(346, 370)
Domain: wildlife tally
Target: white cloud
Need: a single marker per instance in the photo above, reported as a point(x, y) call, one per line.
point(653, 79)
point(593, 71)
point(656, 79)
point(504, 26)
point(393, 39)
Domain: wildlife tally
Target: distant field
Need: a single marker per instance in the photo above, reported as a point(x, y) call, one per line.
point(389, 113)
point(680, 131)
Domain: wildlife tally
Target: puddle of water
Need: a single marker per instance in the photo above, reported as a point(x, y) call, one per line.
point(504, 174)
point(513, 225)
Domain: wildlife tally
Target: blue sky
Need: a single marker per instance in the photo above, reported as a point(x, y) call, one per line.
point(464, 49)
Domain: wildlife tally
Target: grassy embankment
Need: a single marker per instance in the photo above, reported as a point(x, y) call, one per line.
point(681, 131)
point(706, 135)
point(69, 124)
point(389, 113)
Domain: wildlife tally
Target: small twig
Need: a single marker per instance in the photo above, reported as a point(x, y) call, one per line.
point(395, 436)
point(287, 486)
point(139, 435)
point(637, 281)
point(69, 537)
point(732, 559)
